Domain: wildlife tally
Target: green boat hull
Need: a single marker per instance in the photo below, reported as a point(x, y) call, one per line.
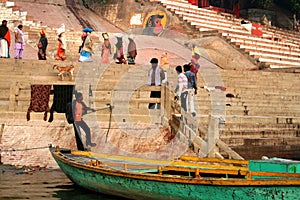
point(148, 189)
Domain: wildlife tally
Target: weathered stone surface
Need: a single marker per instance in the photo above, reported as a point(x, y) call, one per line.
point(25, 143)
point(265, 94)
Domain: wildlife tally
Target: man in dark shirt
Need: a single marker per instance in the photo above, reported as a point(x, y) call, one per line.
point(192, 88)
point(4, 40)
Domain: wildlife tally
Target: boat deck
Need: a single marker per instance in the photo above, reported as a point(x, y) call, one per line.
point(187, 166)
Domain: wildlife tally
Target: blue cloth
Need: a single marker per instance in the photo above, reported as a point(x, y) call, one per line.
point(87, 30)
point(192, 82)
point(85, 56)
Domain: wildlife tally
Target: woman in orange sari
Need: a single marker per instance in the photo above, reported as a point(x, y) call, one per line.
point(62, 44)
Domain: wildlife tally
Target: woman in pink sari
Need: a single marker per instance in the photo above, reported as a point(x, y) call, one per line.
point(119, 50)
point(106, 49)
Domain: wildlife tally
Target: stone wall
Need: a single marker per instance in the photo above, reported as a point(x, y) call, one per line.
point(56, 2)
point(25, 143)
point(218, 51)
point(257, 15)
point(120, 13)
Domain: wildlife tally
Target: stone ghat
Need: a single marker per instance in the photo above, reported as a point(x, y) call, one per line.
point(271, 123)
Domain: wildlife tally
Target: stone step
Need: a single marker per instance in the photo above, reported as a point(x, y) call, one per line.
point(98, 117)
point(256, 120)
point(284, 123)
point(263, 133)
point(271, 141)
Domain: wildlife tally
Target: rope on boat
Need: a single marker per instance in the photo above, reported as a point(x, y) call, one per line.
point(26, 149)
point(110, 107)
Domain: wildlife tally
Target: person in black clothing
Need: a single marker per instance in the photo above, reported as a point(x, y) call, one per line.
point(4, 40)
point(42, 45)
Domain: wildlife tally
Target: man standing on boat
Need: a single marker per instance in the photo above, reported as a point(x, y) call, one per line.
point(81, 109)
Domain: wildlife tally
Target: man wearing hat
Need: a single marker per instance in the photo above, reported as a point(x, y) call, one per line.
point(155, 77)
point(4, 40)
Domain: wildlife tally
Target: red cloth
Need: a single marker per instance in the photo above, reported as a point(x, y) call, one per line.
point(236, 10)
point(194, 2)
point(39, 101)
point(194, 66)
point(7, 37)
point(60, 55)
point(256, 30)
point(204, 4)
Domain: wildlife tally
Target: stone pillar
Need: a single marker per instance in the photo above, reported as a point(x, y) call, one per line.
point(213, 136)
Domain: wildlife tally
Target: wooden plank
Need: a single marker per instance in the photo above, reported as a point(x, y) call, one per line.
point(228, 150)
point(274, 174)
point(214, 160)
point(206, 171)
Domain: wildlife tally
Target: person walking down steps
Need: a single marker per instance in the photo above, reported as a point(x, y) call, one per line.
point(192, 88)
point(42, 46)
point(132, 51)
point(87, 46)
point(106, 49)
point(181, 90)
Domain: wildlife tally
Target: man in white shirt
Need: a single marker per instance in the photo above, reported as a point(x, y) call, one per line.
point(181, 90)
point(155, 77)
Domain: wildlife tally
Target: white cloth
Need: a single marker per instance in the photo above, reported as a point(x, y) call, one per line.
point(182, 84)
point(157, 76)
point(61, 29)
point(3, 48)
point(63, 41)
point(247, 27)
point(191, 97)
point(21, 34)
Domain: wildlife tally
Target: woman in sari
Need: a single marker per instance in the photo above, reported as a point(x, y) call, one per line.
point(119, 50)
point(62, 44)
point(132, 51)
point(106, 49)
point(87, 46)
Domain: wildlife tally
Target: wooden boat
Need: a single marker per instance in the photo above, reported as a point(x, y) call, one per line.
point(183, 178)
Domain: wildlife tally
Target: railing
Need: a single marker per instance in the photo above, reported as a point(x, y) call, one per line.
point(187, 128)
